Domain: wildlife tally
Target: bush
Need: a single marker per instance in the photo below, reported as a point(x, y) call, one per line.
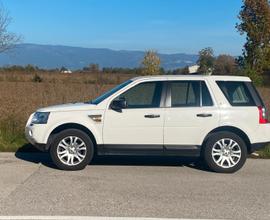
point(11, 134)
point(264, 153)
point(253, 75)
point(37, 78)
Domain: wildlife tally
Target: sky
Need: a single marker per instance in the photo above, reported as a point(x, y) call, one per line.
point(168, 26)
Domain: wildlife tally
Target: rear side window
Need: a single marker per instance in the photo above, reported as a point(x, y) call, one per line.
point(190, 94)
point(185, 93)
point(237, 93)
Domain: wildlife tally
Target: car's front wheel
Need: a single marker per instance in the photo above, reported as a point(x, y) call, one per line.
point(225, 152)
point(72, 149)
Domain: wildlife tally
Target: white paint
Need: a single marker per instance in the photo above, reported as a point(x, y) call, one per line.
point(83, 218)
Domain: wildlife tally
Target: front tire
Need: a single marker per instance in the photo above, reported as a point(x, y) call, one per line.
point(72, 149)
point(225, 152)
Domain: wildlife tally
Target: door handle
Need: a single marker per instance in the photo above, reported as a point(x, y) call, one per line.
point(204, 115)
point(152, 116)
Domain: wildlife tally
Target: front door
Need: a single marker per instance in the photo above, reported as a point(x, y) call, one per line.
point(139, 127)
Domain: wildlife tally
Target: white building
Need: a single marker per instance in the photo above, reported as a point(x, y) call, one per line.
point(193, 69)
point(66, 71)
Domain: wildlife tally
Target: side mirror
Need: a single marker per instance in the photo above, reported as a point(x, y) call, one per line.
point(118, 105)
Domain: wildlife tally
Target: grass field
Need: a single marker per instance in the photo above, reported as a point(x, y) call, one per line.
point(20, 95)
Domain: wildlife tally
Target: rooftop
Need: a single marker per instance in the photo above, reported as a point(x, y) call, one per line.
point(192, 77)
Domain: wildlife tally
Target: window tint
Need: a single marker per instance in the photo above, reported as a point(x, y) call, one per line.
point(236, 93)
point(144, 95)
point(206, 97)
point(185, 93)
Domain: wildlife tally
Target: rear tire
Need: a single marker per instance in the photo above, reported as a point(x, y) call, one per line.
point(225, 152)
point(72, 149)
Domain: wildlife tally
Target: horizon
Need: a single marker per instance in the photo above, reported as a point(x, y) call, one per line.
point(101, 48)
point(135, 25)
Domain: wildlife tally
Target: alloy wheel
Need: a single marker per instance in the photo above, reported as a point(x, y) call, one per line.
point(71, 150)
point(226, 153)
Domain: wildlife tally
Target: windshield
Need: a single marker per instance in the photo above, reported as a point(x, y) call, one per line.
point(110, 92)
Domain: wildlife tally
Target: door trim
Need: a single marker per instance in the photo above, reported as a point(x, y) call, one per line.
point(149, 150)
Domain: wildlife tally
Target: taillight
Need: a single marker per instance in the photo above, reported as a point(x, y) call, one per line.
point(262, 115)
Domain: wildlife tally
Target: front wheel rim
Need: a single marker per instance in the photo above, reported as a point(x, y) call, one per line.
point(71, 150)
point(226, 153)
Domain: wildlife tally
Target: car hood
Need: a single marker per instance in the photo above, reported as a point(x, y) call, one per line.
point(69, 107)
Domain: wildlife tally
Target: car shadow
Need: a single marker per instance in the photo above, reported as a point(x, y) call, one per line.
point(30, 154)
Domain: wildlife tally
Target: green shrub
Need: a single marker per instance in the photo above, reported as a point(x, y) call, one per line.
point(37, 78)
point(11, 135)
point(253, 75)
point(265, 153)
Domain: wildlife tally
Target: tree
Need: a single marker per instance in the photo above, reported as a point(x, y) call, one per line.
point(7, 39)
point(94, 68)
point(180, 71)
point(185, 70)
point(255, 24)
point(206, 61)
point(225, 65)
point(29, 68)
point(151, 63)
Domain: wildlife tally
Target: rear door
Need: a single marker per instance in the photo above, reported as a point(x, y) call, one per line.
point(190, 114)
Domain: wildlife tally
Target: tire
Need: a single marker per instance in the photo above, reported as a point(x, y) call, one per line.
point(225, 152)
point(72, 149)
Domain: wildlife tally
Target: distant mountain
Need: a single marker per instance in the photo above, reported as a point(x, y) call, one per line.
point(49, 56)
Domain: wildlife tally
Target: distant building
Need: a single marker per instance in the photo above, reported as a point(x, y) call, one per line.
point(65, 71)
point(193, 69)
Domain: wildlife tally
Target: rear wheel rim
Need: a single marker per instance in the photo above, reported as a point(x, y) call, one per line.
point(226, 153)
point(71, 150)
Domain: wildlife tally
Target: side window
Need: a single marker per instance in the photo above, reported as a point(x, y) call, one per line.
point(144, 95)
point(236, 93)
point(206, 97)
point(185, 93)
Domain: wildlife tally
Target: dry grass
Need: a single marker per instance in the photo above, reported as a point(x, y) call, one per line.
point(20, 96)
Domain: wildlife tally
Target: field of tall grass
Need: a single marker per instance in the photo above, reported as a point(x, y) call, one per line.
point(23, 93)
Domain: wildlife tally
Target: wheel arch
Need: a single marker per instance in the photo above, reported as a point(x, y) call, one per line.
point(65, 126)
point(232, 129)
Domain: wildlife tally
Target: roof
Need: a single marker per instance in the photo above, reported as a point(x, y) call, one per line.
point(192, 77)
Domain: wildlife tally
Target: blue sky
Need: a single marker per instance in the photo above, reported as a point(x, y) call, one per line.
point(169, 26)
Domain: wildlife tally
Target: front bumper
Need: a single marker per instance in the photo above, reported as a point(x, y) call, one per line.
point(30, 136)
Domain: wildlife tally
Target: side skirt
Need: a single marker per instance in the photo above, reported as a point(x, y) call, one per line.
point(149, 150)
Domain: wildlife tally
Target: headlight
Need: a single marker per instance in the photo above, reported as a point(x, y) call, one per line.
point(40, 118)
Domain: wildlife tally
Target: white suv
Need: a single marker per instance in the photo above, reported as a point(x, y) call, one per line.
point(218, 118)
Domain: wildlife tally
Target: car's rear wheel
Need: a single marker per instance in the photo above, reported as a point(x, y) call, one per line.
point(72, 149)
point(225, 152)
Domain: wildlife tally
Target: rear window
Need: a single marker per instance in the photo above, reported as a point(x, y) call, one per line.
point(237, 93)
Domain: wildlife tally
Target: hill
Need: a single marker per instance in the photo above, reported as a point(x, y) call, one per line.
point(51, 56)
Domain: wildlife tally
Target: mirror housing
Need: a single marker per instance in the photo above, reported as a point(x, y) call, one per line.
point(118, 105)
